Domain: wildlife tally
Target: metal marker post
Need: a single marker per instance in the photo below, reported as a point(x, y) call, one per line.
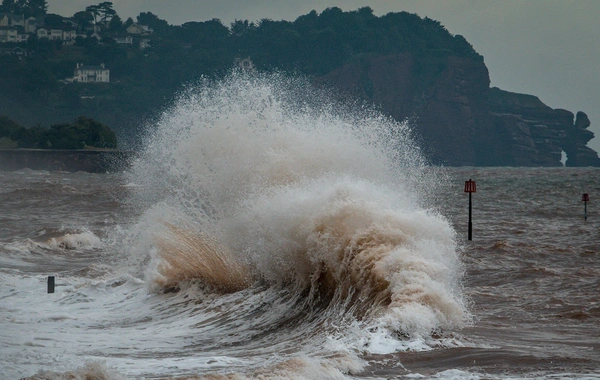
point(50, 284)
point(585, 199)
point(470, 187)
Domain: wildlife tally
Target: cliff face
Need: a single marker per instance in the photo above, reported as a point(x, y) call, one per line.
point(536, 134)
point(459, 120)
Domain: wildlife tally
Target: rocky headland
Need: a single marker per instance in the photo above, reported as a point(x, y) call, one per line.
point(458, 119)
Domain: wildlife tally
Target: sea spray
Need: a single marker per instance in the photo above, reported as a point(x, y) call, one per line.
point(259, 182)
point(82, 240)
point(227, 139)
point(91, 370)
point(187, 255)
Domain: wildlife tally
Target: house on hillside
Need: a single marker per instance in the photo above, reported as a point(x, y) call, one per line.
point(55, 35)
point(124, 40)
point(5, 19)
point(91, 74)
point(17, 51)
point(18, 20)
point(21, 36)
point(8, 34)
point(15, 28)
point(139, 29)
point(12, 28)
point(68, 35)
point(42, 33)
point(9, 19)
point(32, 24)
point(244, 64)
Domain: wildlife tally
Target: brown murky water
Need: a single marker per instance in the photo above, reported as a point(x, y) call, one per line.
point(531, 284)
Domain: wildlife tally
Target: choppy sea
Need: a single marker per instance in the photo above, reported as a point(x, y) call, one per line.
point(267, 231)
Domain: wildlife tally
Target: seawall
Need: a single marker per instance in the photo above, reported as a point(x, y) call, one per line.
point(93, 161)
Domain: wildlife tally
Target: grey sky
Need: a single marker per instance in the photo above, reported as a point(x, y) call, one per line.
point(548, 48)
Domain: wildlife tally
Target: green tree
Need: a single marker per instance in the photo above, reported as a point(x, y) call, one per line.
point(28, 8)
point(127, 23)
point(34, 137)
point(94, 133)
point(154, 22)
point(77, 135)
point(94, 10)
point(9, 6)
point(35, 8)
point(64, 136)
point(115, 24)
point(7, 126)
point(54, 21)
point(240, 28)
point(83, 19)
point(106, 12)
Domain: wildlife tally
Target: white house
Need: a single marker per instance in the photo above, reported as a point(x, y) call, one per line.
point(69, 35)
point(125, 40)
point(55, 35)
point(8, 34)
point(22, 37)
point(9, 19)
point(4, 19)
point(11, 27)
point(139, 29)
point(43, 33)
point(31, 24)
point(244, 64)
point(18, 20)
point(87, 74)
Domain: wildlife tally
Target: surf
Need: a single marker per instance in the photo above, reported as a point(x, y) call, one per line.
point(257, 182)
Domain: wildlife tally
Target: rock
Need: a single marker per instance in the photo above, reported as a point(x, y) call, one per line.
point(581, 120)
point(459, 120)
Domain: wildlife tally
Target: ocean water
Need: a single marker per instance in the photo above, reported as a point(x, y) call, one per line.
point(267, 231)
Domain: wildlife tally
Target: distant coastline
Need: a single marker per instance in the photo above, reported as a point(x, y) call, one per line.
point(123, 74)
point(68, 160)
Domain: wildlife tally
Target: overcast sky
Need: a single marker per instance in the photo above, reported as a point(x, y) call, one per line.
point(547, 48)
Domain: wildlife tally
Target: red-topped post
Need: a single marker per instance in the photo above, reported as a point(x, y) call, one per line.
point(470, 187)
point(585, 198)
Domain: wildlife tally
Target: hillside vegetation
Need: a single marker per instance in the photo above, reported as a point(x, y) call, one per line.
point(410, 67)
point(81, 133)
point(34, 90)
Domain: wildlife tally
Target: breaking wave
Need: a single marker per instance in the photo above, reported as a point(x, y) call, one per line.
point(260, 182)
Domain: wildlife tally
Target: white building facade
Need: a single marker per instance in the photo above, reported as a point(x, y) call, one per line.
point(91, 74)
point(8, 34)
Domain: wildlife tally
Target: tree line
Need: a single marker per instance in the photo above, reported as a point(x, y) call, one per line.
point(82, 133)
point(314, 43)
point(144, 81)
point(28, 8)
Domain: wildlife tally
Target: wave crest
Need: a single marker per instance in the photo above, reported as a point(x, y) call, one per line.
point(190, 255)
point(262, 180)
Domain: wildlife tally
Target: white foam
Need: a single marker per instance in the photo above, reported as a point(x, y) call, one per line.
point(294, 185)
point(82, 240)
